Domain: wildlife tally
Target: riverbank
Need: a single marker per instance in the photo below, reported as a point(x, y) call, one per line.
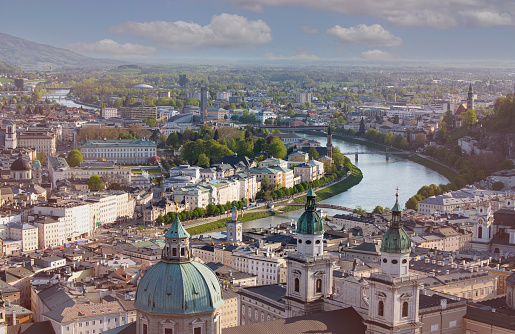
point(323, 192)
point(434, 165)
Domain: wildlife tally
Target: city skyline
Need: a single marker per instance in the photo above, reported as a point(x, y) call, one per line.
point(265, 30)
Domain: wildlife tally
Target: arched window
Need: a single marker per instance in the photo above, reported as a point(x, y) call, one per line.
point(380, 308)
point(174, 251)
point(297, 284)
point(480, 232)
point(319, 285)
point(405, 309)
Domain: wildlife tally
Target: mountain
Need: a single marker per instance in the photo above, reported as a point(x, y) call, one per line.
point(8, 68)
point(34, 56)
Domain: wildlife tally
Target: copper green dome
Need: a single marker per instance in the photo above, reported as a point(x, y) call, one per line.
point(396, 240)
point(310, 221)
point(36, 163)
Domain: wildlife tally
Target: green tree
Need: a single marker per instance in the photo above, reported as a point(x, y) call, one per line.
point(160, 220)
point(173, 139)
point(359, 210)
point(378, 209)
point(150, 121)
point(498, 186)
point(276, 147)
point(470, 118)
point(95, 183)
point(313, 153)
point(203, 160)
point(361, 131)
point(41, 157)
point(412, 203)
point(265, 183)
point(75, 158)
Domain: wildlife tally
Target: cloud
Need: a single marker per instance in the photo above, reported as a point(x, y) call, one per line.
point(224, 31)
point(378, 55)
point(113, 49)
point(374, 35)
point(298, 54)
point(309, 30)
point(440, 14)
point(486, 18)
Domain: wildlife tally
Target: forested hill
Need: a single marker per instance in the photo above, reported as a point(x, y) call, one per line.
point(8, 68)
point(31, 55)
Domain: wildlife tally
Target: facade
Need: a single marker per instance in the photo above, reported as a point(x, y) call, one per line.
point(11, 142)
point(303, 98)
point(109, 113)
point(50, 231)
point(234, 228)
point(42, 141)
point(138, 113)
point(125, 151)
point(28, 234)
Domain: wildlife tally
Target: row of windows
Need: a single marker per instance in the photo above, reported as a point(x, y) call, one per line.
point(404, 309)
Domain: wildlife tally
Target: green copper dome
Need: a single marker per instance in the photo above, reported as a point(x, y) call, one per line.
point(36, 163)
point(396, 240)
point(310, 221)
point(175, 288)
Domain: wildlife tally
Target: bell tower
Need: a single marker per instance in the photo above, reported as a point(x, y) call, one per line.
point(234, 230)
point(310, 269)
point(483, 227)
point(329, 144)
point(10, 136)
point(394, 293)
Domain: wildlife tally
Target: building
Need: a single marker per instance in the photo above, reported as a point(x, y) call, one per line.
point(11, 142)
point(42, 140)
point(139, 113)
point(50, 231)
point(234, 228)
point(124, 151)
point(109, 113)
point(303, 98)
point(28, 234)
point(197, 303)
point(310, 278)
point(21, 170)
point(470, 99)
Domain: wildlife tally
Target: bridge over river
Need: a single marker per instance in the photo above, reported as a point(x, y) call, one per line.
point(326, 206)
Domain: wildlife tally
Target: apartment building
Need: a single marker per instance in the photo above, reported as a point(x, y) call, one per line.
point(41, 140)
point(50, 231)
point(28, 234)
point(138, 113)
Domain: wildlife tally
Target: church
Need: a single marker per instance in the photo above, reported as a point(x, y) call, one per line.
point(180, 295)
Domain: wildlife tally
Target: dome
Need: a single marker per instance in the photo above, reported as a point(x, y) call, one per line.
point(143, 86)
point(20, 164)
point(179, 288)
point(310, 221)
point(396, 240)
point(36, 163)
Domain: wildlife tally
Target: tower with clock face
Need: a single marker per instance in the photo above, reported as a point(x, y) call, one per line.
point(483, 227)
point(234, 228)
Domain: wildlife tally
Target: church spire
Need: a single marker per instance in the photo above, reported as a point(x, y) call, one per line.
point(470, 98)
point(177, 239)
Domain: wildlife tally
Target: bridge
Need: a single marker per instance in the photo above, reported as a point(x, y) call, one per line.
point(58, 88)
point(326, 206)
point(386, 153)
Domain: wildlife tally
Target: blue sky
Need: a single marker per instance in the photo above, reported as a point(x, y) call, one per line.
point(288, 30)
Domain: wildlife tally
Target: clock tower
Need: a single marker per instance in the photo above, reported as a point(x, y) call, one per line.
point(234, 227)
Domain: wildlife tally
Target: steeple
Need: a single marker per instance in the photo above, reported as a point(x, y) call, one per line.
point(396, 245)
point(177, 239)
point(329, 144)
point(470, 99)
point(310, 229)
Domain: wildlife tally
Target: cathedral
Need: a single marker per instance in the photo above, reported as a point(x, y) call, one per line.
point(180, 295)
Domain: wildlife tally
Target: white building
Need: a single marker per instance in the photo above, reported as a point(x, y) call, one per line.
point(50, 231)
point(127, 151)
point(303, 98)
point(28, 234)
point(109, 113)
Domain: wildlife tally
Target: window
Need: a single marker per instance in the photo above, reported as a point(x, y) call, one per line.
point(174, 251)
point(380, 309)
point(318, 285)
point(145, 329)
point(197, 330)
point(434, 328)
point(308, 242)
point(452, 323)
point(405, 309)
point(385, 260)
point(480, 232)
point(297, 284)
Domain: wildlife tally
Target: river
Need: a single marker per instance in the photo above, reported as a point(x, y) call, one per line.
point(380, 178)
point(60, 97)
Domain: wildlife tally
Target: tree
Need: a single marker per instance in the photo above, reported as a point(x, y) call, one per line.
point(498, 186)
point(75, 158)
point(359, 210)
point(160, 220)
point(95, 183)
point(216, 135)
point(412, 203)
point(41, 157)
point(173, 139)
point(276, 147)
point(470, 118)
point(203, 160)
point(150, 121)
point(378, 209)
point(265, 182)
point(396, 119)
point(313, 153)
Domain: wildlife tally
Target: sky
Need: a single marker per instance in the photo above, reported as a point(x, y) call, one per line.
point(270, 30)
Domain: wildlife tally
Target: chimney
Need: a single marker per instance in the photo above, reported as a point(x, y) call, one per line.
point(443, 303)
point(14, 318)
